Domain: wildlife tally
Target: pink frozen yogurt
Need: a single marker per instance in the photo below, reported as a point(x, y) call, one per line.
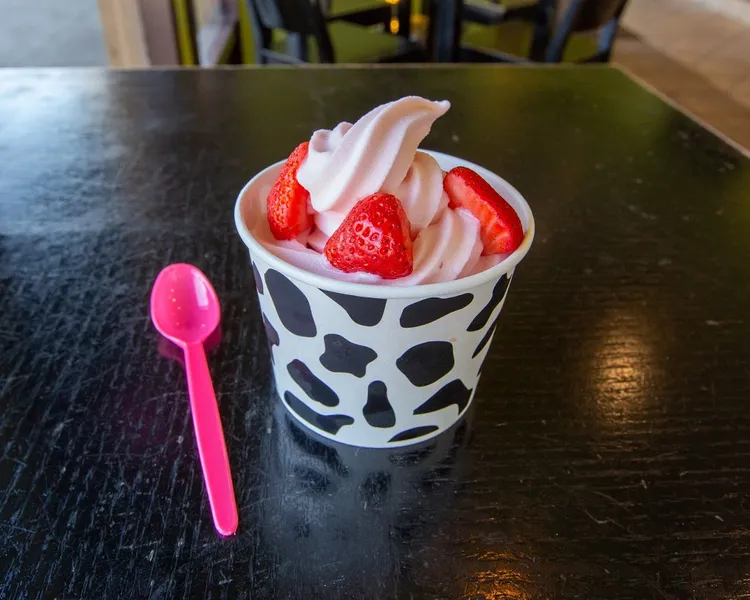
point(379, 153)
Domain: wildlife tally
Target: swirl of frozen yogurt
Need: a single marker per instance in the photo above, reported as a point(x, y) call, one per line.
point(379, 153)
point(446, 250)
point(421, 192)
point(351, 162)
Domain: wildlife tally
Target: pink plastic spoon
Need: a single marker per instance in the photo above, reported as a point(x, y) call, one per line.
point(185, 309)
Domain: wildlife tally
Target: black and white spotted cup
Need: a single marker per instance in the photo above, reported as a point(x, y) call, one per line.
point(376, 366)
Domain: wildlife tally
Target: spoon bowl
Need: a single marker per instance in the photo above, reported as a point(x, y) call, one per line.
point(184, 305)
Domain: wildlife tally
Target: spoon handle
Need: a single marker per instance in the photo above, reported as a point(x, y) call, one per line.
point(210, 439)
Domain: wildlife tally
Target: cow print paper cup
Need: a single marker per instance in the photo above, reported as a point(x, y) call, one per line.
point(369, 365)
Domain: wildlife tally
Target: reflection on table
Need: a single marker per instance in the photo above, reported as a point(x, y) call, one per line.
point(338, 515)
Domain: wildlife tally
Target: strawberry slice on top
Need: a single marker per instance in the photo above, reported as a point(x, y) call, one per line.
point(287, 200)
point(375, 238)
point(500, 228)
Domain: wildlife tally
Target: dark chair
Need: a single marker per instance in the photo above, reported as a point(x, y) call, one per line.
point(307, 36)
point(367, 13)
point(602, 16)
point(491, 12)
point(551, 32)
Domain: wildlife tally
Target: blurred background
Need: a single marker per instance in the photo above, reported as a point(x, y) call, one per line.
point(694, 52)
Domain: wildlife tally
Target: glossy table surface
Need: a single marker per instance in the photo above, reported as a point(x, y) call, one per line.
point(607, 454)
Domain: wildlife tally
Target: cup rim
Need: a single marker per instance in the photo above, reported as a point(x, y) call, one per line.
point(370, 290)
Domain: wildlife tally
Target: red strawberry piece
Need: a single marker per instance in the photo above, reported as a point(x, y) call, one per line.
point(374, 238)
point(500, 228)
point(287, 200)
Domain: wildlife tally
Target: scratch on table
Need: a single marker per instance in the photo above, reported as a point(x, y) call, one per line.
point(602, 521)
point(636, 210)
point(17, 528)
point(613, 500)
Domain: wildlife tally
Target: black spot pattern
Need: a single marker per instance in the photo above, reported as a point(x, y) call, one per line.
point(430, 310)
point(425, 363)
point(378, 411)
point(363, 311)
point(454, 392)
point(272, 335)
point(343, 356)
point(414, 432)
point(497, 296)
point(328, 423)
point(315, 388)
point(485, 339)
point(258, 279)
point(291, 305)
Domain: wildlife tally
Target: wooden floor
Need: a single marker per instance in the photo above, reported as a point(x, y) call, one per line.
point(709, 37)
point(696, 53)
point(694, 93)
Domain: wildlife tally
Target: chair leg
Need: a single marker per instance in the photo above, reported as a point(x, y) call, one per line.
point(606, 42)
point(444, 35)
point(296, 46)
point(557, 46)
point(403, 12)
point(542, 19)
point(608, 34)
point(262, 36)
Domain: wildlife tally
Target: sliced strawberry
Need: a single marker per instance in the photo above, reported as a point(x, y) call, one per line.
point(287, 200)
point(500, 228)
point(374, 238)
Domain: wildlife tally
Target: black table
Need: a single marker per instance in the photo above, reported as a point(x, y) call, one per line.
point(608, 452)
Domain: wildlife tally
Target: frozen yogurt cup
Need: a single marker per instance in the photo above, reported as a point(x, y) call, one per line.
point(368, 364)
